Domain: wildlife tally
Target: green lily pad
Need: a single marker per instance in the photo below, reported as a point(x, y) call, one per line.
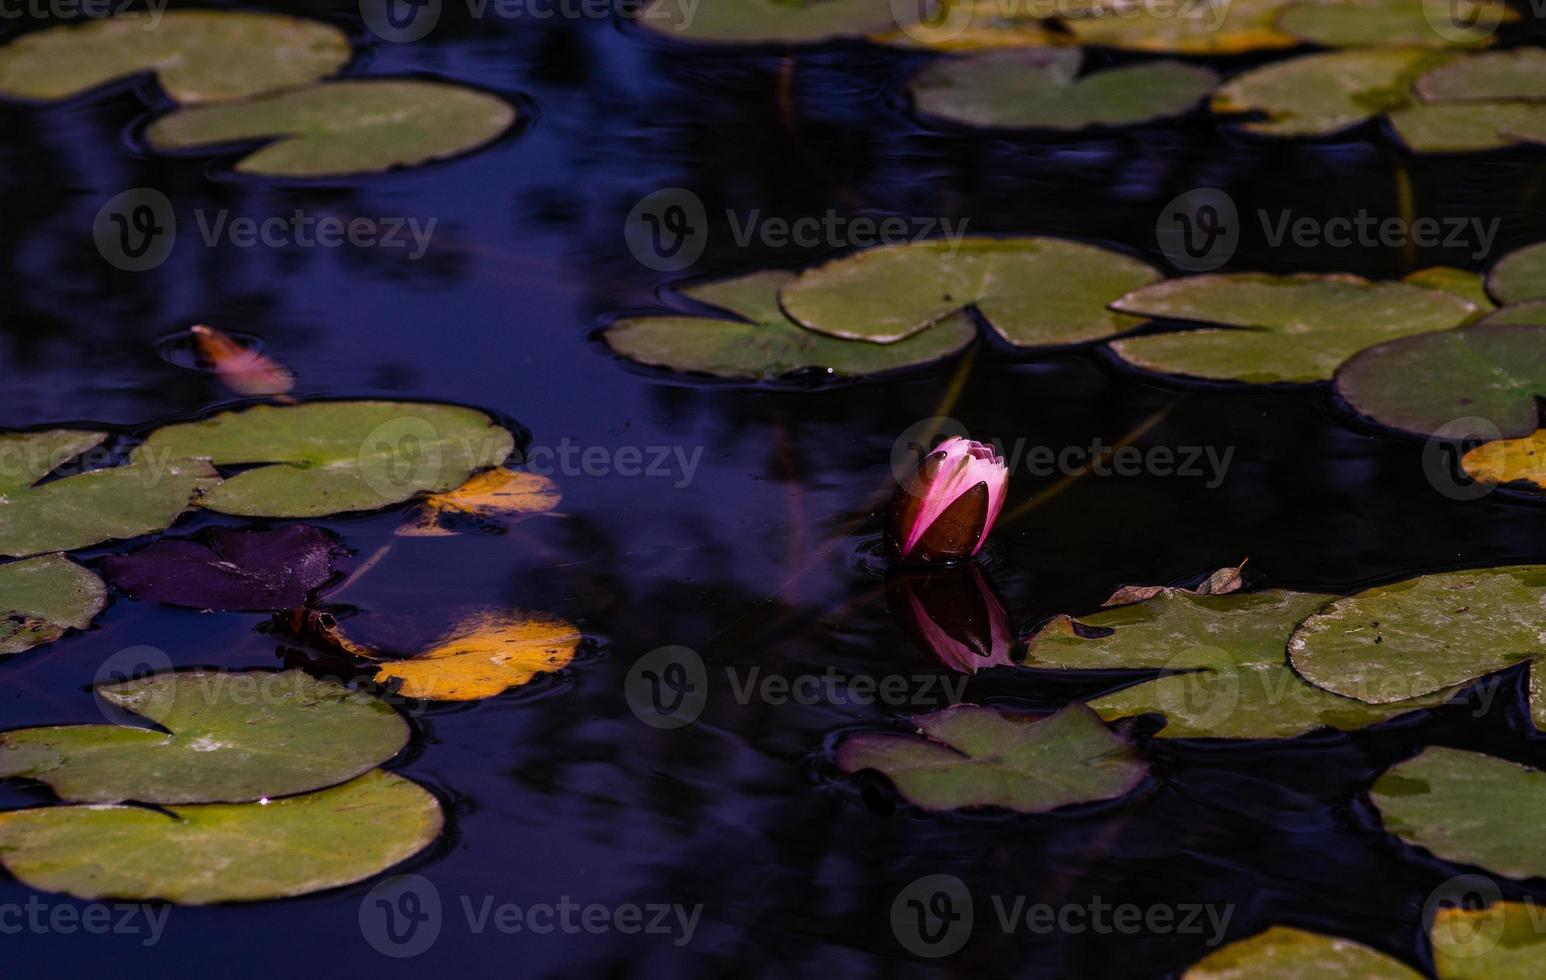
point(978, 25)
point(1503, 941)
point(770, 21)
point(1283, 328)
point(1394, 23)
point(1326, 93)
point(1468, 808)
point(1427, 634)
point(230, 737)
point(335, 129)
point(222, 852)
point(197, 55)
point(1034, 292)
point(1467, 128)
point(144, 496)
point(766, 344)
point(1286, 953)
point(1211, 27)
point(973, 756)
point(1520, 276)
point(1527, 124)
point(1232, 677)
point(43, 598)
point(333, 457)
point(1465, 284)
point(1037, 89)
point(1498, 76)
point(1492, 371)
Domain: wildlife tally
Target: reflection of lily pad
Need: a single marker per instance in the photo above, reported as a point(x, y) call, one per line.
point(973, 756)
point(220, 852)
point(1504, 461)
point(334, 457)
point(258, 570)
point(1425, 634)
point(1503, 941)
point(1207, 27)
point(197, 55)
point(99, 505)
point(1520, 276)
point(1286, 328)
point(42, 598)
point(766, 343)
point(229, 737)
point(1035, 292)
point(1467, 808)
point(1232, 680)
point(770, 21)
point(1285, 953)
point(1493, 371)
point(1325, 93)
point(1038, 89)
point(338, 128)
point(1394, 23)
point(484, 655)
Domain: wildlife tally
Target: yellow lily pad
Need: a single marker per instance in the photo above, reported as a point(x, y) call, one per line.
point(494, 497)
point(484, 655)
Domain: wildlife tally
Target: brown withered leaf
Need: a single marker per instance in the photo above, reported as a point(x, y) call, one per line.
point(1221, 582)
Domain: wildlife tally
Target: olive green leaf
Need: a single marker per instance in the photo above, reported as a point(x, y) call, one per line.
point(1503, 941)
point(1212, 27)
point(974, 756)
point(1520, 276)
point(229, 737)
point(333, 457)
point(197, 55)
point(222, 852)
point(1465, 284)
point(1228, 675)
point(1283, 328)
point(1457, 128)
point(1394, 23)
point(770, 21)
point(979, 25)
point(1034, 292)
point(1286, 953)
point(1486, 376)
point(1427, 634)
point(766, 344)
point(1325, 93)
point(341, 128)
point(98, 505)
point(1467, 808)
point(1498, 76)
point(43, 598)
point(1038, 89)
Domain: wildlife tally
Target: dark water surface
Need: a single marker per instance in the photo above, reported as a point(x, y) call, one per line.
point(765, 557)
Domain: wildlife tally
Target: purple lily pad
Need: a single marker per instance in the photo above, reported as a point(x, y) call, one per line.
point(231, 570)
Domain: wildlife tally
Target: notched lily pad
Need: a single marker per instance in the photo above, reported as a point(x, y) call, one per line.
point(342, 128)
point(1427, 634)
point(973, 756)
point(1471, 809)
point(1034, 292)
point(1286, 953)
point(1229, 676)
point(1295, 329)
point(43, 598)
point(771, 21)
point(1325, 93)
point(197, 55)
point(1479, 381)
point(1038, 89)
point(322, 458)
point(145, 495)
point(231, 570)
point(220, 852)
point(765, 343)
point(1520, 276)
point(229, 737)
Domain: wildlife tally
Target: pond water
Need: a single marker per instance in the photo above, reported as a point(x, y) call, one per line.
point(758, 546)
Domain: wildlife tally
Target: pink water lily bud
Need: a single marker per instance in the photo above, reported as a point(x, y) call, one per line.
point(945, 510)
point(954, 615)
